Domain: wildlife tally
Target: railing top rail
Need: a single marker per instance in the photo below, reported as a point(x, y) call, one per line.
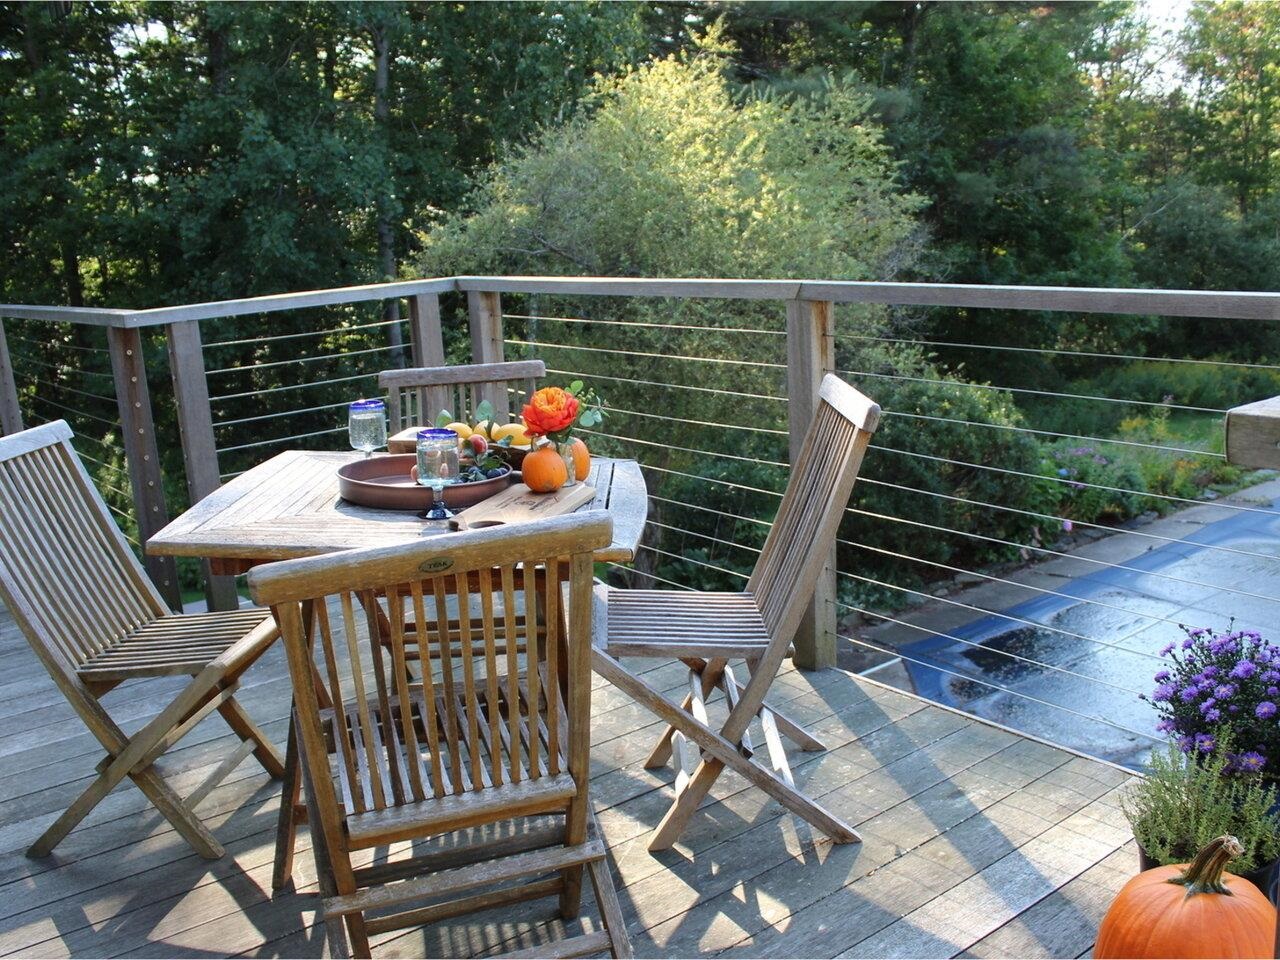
point(1175, 303)
point(1243, 305)
point(272, 303)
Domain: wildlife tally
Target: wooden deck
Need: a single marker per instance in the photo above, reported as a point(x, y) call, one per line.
point(977, 842)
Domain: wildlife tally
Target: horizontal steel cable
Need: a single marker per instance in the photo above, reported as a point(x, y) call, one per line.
point(672, 446)
point(698, 423)
point(658, 356)
point(1060, 353)
point(1070, 482)
point(1057, 553)
point(308, 333)
point(299, 360)
point(651, 576)
point(671, 386)
point(647, 325)
point(56, 367)
point(293, 386)
point(60, 344)
point(1005, 616)
point(1063, 436)
point(709, 566)
point(1026, 390)
point(1012, 583)
point(274, 440)
point(986, 683)
point(703, 536)
point(114, 424)
point(281, 414)
point(1118, 531)
point(719, 513)
point(716, 480)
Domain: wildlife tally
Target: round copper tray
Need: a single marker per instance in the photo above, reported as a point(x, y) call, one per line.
point(383, 482)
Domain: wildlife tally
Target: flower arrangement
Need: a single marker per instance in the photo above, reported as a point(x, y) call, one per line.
point(1222, 680)
point(553, 412)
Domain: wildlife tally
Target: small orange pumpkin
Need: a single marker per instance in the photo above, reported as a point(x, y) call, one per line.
point(581, 459)
point(543, 470)
point(1194, 910)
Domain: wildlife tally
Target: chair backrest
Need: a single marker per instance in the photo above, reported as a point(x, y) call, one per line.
point(417, 395)
point(66, 571)
point(482, 715)
point(804, 530)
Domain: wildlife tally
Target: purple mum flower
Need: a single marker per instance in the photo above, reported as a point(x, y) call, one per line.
point(1233, 708)
point(1213, 716)
point(1164, 726)
point(1185, 743)
point(1167, 650)
point(1188, 694)
point(1270, 676)
point(1161, 676)
point(1252, 760)
point(1211, 671)
point(1205, 742)
point(1207, 705)
point(1273, 691)
point(1224, 690)
point(1244, 669)
point(1164, 692)
point(1265, 710)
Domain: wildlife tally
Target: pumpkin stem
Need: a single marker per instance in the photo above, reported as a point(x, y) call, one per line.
point(1204, 873)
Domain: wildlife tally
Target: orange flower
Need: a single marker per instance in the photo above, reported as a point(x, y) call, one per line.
point(550, 410)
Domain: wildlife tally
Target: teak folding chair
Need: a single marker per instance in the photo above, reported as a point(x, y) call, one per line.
point(417, 395)
point(95, 620)
point(483, 762)
point(707, 630)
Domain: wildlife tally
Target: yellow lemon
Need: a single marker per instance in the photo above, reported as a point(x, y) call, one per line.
point(516, 431)
point(461, 429)
point(485, 428)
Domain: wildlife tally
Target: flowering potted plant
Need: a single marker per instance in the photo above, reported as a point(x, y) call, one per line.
point(553, 413)
point(1223, 679)
point(1217, 697)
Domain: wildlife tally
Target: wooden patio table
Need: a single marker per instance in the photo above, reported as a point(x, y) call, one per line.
point(289, 507)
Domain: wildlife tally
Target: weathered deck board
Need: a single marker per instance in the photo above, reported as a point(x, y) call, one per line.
point(977, 842)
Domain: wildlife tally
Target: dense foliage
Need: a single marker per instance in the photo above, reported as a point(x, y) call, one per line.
point(167, 152)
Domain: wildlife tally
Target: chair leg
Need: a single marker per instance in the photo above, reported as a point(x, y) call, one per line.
point(246, 729)
point(710, 672)
point(686, 803)
point(287, 821)
point(359, 935)
point(571, 892)
point(610, 909)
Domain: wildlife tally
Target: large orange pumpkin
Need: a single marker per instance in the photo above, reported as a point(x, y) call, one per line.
point(581, 459)
point(543, 470)
point(1195, 910)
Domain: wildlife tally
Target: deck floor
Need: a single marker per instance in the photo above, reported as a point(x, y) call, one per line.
point(976, 842)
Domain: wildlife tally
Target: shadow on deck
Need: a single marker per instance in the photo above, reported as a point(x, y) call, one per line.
point(977, 842)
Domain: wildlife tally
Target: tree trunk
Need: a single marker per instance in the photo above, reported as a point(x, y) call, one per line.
point(386, 233)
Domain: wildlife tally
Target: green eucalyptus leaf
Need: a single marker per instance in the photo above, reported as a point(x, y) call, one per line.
point(484, 411)
point(443, 419)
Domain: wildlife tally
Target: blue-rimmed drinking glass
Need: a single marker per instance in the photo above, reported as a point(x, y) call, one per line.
point(367, 425)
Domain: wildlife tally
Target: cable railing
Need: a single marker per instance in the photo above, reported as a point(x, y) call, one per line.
point(1018, 517)
point(1023, 540)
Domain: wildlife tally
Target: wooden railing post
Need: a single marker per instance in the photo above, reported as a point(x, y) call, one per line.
point(199, 448)
point(810, 356)
point(424, 330)
point(485, 311)
point(137, 427)
point(10, 412)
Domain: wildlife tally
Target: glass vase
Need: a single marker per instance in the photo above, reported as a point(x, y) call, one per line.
point(570, 467)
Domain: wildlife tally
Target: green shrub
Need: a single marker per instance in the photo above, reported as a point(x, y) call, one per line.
point(1085, 467)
